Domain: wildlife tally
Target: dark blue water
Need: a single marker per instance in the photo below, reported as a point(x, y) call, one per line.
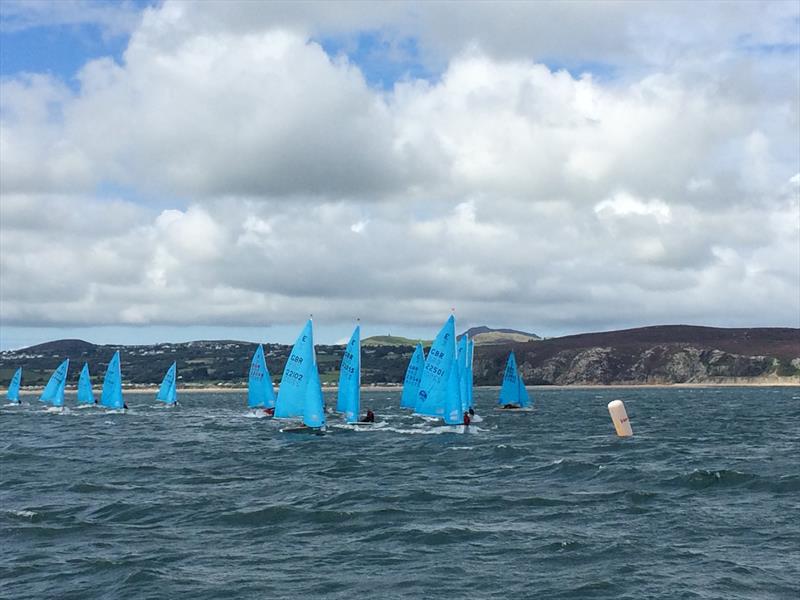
point(202, 502)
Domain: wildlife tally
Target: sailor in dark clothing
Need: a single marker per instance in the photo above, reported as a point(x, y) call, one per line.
point(466, 418)
point(471, 412)
point(369, 417)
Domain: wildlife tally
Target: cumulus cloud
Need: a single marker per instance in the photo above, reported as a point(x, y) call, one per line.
point(521, 193)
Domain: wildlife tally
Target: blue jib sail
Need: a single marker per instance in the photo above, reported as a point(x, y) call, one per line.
point(296, 376)
point(313, 403)
point(259, 382)
point(349, 397)
point(524, 399)
point(453, 408)
point(168, 391)
point(112, 385)
point(85, 393)
point(438, 364)
point(54, 390)
point(412, 379)
point(13, 387)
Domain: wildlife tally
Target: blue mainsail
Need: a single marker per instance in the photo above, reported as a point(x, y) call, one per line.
point(453, 408)
point(112, 385)
point(438, 364)
point(168, 391)
point(85, 393)
point(54, 390)
point(259, 382)
point(349, 398)
point(13, 387)
point(412, 379)
point(513, 390)
point(313, 403)
point(297, 376)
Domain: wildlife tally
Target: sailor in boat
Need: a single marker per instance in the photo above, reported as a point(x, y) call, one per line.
point(270, 412)
point(509, 406)
point(466, 418)
point(369, 417)
point(124, 406)
point(471, 412)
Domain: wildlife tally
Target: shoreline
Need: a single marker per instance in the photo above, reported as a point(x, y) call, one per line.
point(398, 387)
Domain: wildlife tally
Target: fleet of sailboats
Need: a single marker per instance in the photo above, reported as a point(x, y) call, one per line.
point(438, 385)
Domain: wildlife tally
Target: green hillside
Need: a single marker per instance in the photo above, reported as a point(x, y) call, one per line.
point(392, 340)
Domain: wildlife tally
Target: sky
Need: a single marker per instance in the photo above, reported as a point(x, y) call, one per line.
point(184, 170)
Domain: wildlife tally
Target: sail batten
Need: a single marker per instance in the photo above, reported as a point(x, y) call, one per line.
point(349, 395)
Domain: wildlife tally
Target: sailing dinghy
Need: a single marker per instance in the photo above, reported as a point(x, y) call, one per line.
point(513, 395)
point(260, 394)
point(168, 392)
point(12, 395)
point(85, 393)
point(348, 400)
point(112, 386)
point(53, 392)
point(300, 392)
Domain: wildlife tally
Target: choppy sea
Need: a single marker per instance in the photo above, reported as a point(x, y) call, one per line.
point(204, 501)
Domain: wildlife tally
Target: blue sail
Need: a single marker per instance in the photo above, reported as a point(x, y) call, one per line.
point(13, 387)
point(524, 399)
point(112, 385)
point(296, 376)
point(470, 380)
point(453, 407)
point(168, 391)
point(54, 390)
point(438, 364)
point(313, 403)
point(463, 356)
point(349, 397)
point(259, 382)
point(85, 394)
point(510, 392)
point(412, 379)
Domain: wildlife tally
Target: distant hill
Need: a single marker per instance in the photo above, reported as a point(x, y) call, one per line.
point(485, 335)
point(662, 354)
point(392, 340)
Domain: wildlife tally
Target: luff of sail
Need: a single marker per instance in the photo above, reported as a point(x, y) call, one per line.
point(13, 387)
point(349, 395)
point(259, 382)
point(85, 393)
point(438, 364)
point(412, 378)
point(296, 376)
point(112, 385)
point(54, 390)
point(168, 391)
point(470, 381)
